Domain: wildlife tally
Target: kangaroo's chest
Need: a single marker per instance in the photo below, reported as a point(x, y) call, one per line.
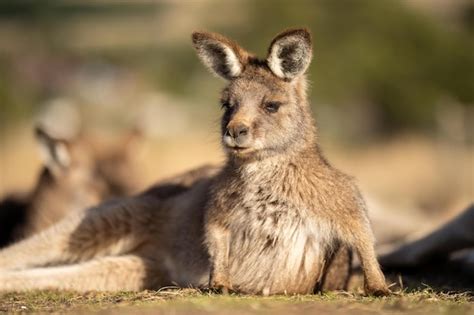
point(276, 245)
point(268, 222)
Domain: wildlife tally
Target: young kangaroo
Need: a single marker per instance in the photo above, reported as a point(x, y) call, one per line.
point(278, 210)
point(268, 222)
point(74, 177)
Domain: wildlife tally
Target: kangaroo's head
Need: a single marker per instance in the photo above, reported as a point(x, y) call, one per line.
point(69, 178)
point(76, 175)
point(87, 167)
point(265, 107)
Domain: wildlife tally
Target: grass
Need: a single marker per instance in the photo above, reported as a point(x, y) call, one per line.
point(447, 292)
point(190, 301)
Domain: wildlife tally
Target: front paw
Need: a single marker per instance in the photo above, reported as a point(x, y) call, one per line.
point(220, 285)
point(378, 290)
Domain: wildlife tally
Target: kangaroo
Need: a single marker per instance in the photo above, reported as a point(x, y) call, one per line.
point(74, 177)
point(276, 207)
point(147, 241)
point(278, 210)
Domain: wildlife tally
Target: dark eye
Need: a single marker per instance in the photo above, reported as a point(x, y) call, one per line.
point(225, 105)
point(272, 107)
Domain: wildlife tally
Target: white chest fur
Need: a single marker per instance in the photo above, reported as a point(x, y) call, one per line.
point(276, 246)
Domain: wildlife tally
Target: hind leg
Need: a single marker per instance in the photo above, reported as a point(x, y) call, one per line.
point(103, 274)
point(338, 271)
point(110, 229)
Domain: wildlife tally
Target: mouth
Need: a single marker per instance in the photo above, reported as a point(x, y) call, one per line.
point(238, 149)
point(235, 147)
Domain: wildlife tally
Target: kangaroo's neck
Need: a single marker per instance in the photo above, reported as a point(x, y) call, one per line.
point(297, 167)
point(45, 186)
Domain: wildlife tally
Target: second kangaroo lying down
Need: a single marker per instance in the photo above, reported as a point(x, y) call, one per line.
point(75, 175)
point(270, 221)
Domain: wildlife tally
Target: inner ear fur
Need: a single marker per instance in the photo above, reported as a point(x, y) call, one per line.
point(54, 152)
point(290, 53)
point(221, 55)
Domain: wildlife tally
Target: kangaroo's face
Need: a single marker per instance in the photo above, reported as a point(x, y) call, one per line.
point(70, 179)
point(79, 173)
point(265, 111)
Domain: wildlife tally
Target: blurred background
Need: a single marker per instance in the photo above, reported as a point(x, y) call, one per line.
point(392, 88)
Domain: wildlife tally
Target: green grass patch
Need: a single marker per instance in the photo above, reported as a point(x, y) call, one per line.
point(189, 301)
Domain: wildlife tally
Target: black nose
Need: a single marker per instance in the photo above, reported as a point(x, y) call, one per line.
point(237, 131)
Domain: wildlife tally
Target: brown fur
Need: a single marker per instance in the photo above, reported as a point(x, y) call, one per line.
point(90, 176)
point(115, 162)
point(145, 242)
point(277, 218)
point(278, 209)
point(338, 272)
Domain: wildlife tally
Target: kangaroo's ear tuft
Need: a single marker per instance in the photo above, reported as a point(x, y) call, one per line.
point(54, 152)
point(290, 53)
point(221, 55)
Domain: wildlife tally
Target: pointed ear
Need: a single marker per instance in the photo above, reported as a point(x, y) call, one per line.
point(290, 53)
point(221, 55)
point(54, 152)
